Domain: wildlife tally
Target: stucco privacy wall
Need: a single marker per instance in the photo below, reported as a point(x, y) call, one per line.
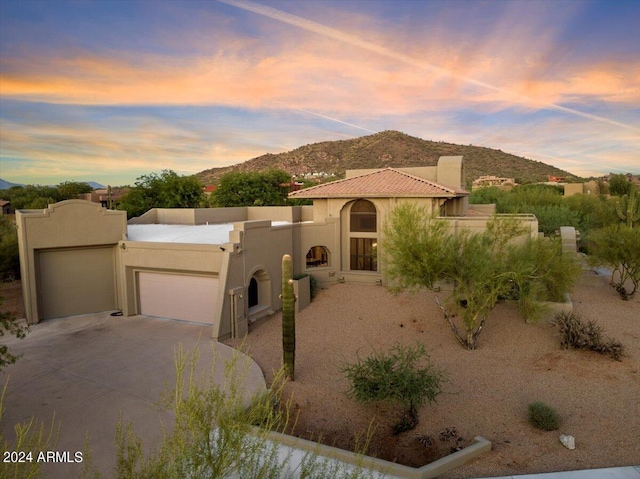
point(201, 216)
point(58, 245)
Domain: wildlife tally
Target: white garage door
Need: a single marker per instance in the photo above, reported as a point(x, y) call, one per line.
point(178, 296)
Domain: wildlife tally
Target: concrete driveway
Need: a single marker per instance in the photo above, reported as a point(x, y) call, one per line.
point(91, 370)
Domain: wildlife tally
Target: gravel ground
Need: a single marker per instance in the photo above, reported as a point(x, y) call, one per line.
point(488, 391)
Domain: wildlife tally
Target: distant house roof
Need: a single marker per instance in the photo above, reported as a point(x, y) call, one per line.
point(387, 182)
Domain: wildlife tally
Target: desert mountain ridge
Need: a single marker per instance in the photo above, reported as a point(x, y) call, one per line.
point(390, 149)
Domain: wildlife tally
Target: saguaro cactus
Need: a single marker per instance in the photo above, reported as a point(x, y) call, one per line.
point(288, 317)
point(629, 208)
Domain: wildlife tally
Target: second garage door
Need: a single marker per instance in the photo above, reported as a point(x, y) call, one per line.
point(76, 281)
point(178, 296)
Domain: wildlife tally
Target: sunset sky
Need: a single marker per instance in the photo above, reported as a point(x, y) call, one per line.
point(111, 90)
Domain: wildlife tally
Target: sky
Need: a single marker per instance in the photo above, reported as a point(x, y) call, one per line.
point(110, 90)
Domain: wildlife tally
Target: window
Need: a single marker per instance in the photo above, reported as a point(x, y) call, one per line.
point(363, 217)
point(317, 256)
point(363, 254)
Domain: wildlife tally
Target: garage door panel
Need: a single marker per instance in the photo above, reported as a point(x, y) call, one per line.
point(177, 296)
point(76, 281)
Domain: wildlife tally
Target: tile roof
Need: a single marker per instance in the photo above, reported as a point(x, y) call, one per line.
point(387, 182)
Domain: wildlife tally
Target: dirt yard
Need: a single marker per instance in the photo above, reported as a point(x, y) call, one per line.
point(489, 389)
point(12, 298)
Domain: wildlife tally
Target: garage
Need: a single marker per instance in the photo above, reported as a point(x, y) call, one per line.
point(178, 296)
point(76, 281)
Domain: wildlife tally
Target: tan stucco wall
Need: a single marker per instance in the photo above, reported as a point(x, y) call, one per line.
point(201, 216)
point(451, 171)
point(67, 224)
point(587, 188)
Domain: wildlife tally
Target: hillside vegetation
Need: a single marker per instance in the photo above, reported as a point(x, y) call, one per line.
point(395, 149)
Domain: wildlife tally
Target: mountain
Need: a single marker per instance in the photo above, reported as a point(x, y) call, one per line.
point(5, 185)
point(395, 149)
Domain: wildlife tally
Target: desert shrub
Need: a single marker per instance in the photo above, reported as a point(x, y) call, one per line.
point(487, 195)
point(404, 376)
point(525, 196)
point(31, 438)
point(540, 272)
point(8, 325)
point(576, 334)
point(214, 433)
point(542, 416)
point(618, 247)
point(593, 212)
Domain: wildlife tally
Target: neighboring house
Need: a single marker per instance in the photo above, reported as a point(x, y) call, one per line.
point(107, 197)
point(222, 266)
point(485, 181)
point(5, 207)
point(586, 188)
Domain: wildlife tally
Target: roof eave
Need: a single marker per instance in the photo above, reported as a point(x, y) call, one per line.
point(373, 195)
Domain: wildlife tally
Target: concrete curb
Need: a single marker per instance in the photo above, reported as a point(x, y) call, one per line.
point(428, 471)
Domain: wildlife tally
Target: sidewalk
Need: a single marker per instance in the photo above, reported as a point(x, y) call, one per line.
point(630, 472)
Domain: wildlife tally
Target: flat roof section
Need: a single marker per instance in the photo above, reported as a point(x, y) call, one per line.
point(190, 234)
point(194, 234)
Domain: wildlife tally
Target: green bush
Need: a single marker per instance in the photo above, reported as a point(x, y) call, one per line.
point(576, 334)
point(404, 376)
point(9, 252)
point(487, 195)
point(542, 416)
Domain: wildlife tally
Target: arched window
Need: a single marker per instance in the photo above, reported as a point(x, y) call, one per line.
point(317, 256)
point(363, 254)
point(363, 217)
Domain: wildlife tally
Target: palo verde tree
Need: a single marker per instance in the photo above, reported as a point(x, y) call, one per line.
point(404, 376)
point(420, 250)
point(166, 189)
point(288, 317)
point(618, 247)
point(619, 185)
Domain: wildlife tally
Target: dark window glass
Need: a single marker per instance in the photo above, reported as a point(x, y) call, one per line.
point(363, 217)
point(317, 256)
point(363, 254)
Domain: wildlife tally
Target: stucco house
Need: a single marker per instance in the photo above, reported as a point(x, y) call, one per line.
point(222, 266)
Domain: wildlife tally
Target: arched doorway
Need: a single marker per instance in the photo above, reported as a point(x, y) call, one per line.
point(258, 294)
point(253, 293)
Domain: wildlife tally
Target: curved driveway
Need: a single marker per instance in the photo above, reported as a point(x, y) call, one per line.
point(92, 369)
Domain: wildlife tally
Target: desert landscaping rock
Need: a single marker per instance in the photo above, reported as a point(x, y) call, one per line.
point(568, 441)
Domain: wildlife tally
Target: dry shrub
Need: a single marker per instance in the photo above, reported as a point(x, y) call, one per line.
point(576, 334)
